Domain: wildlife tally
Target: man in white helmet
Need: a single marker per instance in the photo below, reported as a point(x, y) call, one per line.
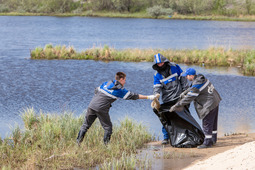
point(169, 83)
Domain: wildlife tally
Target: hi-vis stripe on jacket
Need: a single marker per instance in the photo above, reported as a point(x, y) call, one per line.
point(168, 80)
point(172, 86)
point(205, 96)
point(159, 79)
point(107, 93)
point(108, 89)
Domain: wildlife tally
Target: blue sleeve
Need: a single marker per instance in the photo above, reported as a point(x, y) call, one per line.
point(156, 79)
point(198, 86)
point(121, 93)
point(179, 70)
point(157, 86)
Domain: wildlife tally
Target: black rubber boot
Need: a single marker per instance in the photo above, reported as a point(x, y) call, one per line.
point(107, 137)
point(165, 142)
point(214, 138)
point(80, 137)
point(207, 144)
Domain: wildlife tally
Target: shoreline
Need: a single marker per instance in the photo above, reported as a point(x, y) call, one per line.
point(243, 18)
point(191, 158)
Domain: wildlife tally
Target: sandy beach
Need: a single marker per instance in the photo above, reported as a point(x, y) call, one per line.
point(236, 151)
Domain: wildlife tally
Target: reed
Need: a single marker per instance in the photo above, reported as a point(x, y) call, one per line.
point(245, 59)
point(142, 14)
point(214, 17)
point(48, 141)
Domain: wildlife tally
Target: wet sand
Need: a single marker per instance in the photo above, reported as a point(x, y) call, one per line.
point(167, 157)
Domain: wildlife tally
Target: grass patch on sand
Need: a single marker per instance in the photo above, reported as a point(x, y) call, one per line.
point(48, 141)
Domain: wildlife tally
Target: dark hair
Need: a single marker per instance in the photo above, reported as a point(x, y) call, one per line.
point(120, 75)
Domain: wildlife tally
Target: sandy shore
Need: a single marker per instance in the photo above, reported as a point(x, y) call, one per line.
point(235, 151)
point(240, 157)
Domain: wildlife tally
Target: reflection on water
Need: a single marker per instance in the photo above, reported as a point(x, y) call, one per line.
point(54, 86)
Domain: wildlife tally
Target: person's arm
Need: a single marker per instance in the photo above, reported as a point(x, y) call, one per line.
point(192, 94)
point(183, 80)
point(128, 95)
point(184, 83)
point(157, 86)
point(150, 97)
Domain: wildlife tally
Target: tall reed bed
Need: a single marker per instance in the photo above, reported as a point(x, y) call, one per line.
point(48, 141)
point(245, 59)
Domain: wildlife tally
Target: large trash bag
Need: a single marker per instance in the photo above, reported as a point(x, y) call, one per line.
point(182, 128)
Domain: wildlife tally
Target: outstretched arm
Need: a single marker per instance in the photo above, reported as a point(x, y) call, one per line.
point(150, 97)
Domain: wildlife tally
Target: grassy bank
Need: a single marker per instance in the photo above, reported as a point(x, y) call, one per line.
point(245, 59)
point(49, 142)
point(248, 18)
point(236, 10)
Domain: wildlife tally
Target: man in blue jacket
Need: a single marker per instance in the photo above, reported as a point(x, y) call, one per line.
point(206, 101)
point(100, 105)
point(169, 82)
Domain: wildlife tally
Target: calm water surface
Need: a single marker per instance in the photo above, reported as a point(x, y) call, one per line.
point(56, 86)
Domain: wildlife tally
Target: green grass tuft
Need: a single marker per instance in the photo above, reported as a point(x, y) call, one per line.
point(48, 141)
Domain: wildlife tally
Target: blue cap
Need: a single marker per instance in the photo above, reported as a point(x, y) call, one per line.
point(189, 71)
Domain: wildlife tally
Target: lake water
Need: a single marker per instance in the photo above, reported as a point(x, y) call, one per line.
point(56, 86)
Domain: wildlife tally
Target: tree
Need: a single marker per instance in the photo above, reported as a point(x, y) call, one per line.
point(248, 4)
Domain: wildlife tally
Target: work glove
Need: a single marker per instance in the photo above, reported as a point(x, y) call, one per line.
point(183, 94)
point(151, 97)
point(175, 108)
point(155, 103)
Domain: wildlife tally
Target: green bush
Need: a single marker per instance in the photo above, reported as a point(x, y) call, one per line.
point(4, 8)
point(154, 7)
point(157, 11)
point(193, 6)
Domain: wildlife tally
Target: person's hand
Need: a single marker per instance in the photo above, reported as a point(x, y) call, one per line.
point(182, 95)
point(155, 103)
point(175, 108)
point(151, 97)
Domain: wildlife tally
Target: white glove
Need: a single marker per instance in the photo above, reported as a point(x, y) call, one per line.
point(151, 97)
point(175, 108)
point(182, 95)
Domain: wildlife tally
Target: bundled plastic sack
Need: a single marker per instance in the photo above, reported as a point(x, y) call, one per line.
point(182, 128)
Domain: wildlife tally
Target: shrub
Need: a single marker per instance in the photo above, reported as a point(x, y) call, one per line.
point(193, 6)
point(157, 11)
point(4, 8)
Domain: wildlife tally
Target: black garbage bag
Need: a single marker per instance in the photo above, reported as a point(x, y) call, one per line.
point(182, 128)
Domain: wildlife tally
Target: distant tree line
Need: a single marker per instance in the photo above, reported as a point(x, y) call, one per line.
point(152, 7)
